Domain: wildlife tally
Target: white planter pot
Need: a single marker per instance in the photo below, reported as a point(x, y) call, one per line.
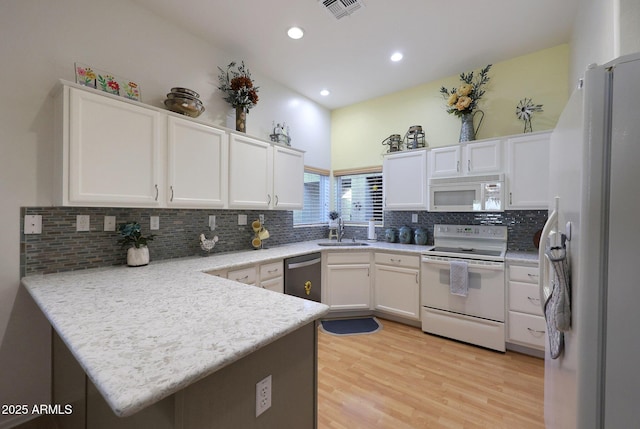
point(137, 256)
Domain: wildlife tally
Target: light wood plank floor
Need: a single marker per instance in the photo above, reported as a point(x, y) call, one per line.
point(402, 378)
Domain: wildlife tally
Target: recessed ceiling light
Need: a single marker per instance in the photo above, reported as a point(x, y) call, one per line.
point(325, 92)
point(295, 33)
point(397, 56)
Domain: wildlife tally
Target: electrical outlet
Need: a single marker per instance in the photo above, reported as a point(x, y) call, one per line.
point(83, 223)
point(33, 224)
point(154, 223)
point(261, 217)
point(414, 217)
point(263, 395)
point(212, 222)
point(109, 223)
point(242, 219)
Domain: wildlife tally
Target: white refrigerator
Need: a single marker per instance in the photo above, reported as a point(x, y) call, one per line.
point(595, 175)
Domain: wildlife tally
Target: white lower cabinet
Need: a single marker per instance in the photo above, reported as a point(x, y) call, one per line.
point(397, 284)
point(269, 275)
point(525, 325)
point(347, 283)
point(272, 276)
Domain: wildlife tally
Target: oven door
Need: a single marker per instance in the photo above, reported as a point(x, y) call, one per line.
point(485, 297)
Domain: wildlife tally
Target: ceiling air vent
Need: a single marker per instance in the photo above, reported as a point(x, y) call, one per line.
point(341, 8)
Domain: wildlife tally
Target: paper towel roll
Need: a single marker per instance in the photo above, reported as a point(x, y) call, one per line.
point(371, 233)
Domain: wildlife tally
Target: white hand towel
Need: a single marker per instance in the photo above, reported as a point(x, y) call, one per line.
point(458, 278)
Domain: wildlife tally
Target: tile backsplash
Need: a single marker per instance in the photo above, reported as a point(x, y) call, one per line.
point(61, 248)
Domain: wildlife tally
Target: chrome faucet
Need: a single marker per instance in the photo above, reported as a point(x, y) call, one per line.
point(340, 229)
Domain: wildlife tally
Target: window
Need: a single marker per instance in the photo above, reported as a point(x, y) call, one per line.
point(316, 199)
point(359, 197)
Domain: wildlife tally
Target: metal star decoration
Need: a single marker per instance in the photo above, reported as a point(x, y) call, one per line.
point(525, 110)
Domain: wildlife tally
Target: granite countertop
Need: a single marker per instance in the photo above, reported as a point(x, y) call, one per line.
point(525, 257)
point(144, 333)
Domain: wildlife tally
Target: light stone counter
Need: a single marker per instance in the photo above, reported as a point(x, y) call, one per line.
point(522, 257)
point(144, 333)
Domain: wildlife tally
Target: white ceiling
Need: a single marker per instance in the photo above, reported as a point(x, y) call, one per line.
point(350, 56)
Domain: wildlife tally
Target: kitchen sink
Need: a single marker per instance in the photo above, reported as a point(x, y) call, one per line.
point(342, 243)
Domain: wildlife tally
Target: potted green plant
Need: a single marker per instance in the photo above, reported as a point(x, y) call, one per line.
point(333, 219)
point(138, 252)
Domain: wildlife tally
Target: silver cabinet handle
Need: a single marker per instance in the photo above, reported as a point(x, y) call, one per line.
point(532, 276)
point(535, 301)
point(458, 166)
point(273, 271)
point(276, 200)
point(397, 261)
point(417, 281)
point(157, 192)
point(239, 279)
point(535, 331)
point(468, 165)
point(269, 199)
point(171, 187)
point(510, 197)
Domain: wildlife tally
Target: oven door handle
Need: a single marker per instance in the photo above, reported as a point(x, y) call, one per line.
point(496, 266)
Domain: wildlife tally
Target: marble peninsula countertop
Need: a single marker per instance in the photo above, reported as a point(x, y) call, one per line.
point(144, 333)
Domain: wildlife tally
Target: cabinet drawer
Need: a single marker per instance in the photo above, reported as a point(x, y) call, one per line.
point(348, 258)
point(276, 284)
point(524, 273)
point(524, 297)
point(399, 260)
point(270, 271)
point(527, 329)
point(244, 275)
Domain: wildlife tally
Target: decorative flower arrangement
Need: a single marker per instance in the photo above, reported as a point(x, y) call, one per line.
point(132, 236)
point(238, 86)
point(464, 99)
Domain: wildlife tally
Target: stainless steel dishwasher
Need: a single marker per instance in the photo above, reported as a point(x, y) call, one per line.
point(302, 276)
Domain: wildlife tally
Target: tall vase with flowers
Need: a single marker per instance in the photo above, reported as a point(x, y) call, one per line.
point(240, 91)
point(463, 101)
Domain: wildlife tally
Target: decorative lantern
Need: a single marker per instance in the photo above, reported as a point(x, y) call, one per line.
point(414, 138)
point(394, 141)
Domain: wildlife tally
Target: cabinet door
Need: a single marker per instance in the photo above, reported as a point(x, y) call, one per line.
point(250, 173)
point(348, 287)
point(397, 290)
point(288, 179)
point(405, 181)
point(197, 165)
point(484, 157)
point(528, 171)
point(113, 152)
point(445, 161)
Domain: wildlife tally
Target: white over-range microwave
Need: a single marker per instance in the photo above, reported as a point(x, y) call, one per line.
point(467, 193)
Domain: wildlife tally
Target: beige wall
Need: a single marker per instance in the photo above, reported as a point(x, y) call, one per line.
point(358, 130)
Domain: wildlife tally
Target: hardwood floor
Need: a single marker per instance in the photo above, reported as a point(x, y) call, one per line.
point(402, 378)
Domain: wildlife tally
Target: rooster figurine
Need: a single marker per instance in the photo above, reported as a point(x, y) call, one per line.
point(207, 244)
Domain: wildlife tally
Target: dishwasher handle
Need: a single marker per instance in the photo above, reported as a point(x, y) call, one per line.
point(303, 264)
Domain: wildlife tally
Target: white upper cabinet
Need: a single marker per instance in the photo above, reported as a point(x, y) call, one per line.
point(264, 176)
point(196, 165)
point(445, 161)
point(107, 151)
point(483, 157)
point(250, 173)
point(528, 171)
point(288, 178)
point(405, 180)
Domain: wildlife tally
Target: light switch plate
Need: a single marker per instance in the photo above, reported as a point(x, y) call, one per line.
point(83, 223)
point(414, 217)
point(33, 224)
point(109, 223)
point(242, 219)
point(154, 223)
